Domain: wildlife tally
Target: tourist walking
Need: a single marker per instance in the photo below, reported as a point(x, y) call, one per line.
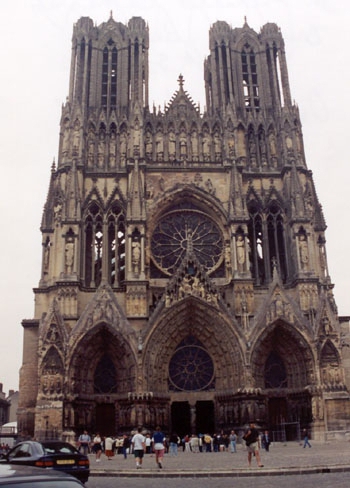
point(109, 447)
point(173, 444)
point(125, 446)
point(97, 447)
point(306, 438)
point(265, 441)
point(252, 441)
point(148, 444)
point(84, 442)
point(233, 441)
point(138, 443)
point(158, 441)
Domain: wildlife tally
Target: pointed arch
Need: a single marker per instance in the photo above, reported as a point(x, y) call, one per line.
point(250, 85)
point(52, 362)
point(291, 347)
point(266, 231)
point(192, 321)
point(116, 244)
point(99, 348)
point(276, 238)
point(256, 241)
point(93, 244)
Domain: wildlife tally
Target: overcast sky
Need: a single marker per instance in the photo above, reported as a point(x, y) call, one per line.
point(35, 47)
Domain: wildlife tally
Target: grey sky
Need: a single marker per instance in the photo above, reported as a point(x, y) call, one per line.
point(35, 39)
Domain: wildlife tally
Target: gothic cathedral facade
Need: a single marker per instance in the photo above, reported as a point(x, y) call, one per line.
point(184, 278)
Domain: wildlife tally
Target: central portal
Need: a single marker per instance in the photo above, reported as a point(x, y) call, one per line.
point(187, 420)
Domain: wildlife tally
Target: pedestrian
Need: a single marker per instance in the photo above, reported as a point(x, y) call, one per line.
point(138, 443)
point(158, 440)
point(126, 446)
point(252, 441)
point(265, 441)
point(306, 438)
point(216, 442)
point(207, 442)
point(109, 447)
point(233, 441)
point(148, 444)
point(97, 447)
point(194, 443)
point(173, 443)
point(84, 442)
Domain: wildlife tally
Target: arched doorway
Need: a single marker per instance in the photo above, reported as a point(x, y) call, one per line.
point(101, 373)
point(193, 356)
point(282, 366)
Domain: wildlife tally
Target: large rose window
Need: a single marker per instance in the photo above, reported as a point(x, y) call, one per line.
point(184, 230)
point(191, 368)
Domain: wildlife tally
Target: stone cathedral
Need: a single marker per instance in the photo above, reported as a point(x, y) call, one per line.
point(184, 278)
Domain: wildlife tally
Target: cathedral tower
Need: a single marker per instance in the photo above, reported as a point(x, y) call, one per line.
point(184, 278)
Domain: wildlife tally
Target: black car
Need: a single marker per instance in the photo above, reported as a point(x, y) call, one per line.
point(56, 455)
point(28, 477)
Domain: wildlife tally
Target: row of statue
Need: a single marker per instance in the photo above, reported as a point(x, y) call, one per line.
point(114, 147)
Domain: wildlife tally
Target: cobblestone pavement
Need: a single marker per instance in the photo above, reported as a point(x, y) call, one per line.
point(326, 480)
point(283, 459)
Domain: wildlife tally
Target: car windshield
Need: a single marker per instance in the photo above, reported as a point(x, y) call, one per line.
point(58, 448)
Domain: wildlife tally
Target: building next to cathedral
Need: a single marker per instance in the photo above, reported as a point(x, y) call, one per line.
point(184, 278)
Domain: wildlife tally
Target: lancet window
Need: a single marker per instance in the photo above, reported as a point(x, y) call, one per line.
point(109, 77)
point(250, 79)
point(104, 246)
point(116, 246)
point(267, 242)
point(93, 245)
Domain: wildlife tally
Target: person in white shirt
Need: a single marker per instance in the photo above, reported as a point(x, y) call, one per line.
point(138, 443)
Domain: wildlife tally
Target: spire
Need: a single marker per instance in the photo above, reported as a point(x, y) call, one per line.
point(181, 82)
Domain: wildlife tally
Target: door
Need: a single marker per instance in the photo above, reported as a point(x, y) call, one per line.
point(105, 419)
point(277, 411)
point(181, 418)
point(205, 418)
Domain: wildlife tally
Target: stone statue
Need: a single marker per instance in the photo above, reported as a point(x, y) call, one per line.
point(136, 256)
point(172, 144)
point(123, 147)
point(183, 144)
point(137, 138)
point(217, 144)
point(206, 146)
point(303, 250)
point(194, 145)
point(240, 247)
point(76, 137)
point(148, 145)
point(101, 149)
point(69, 256)
point(159, 145)
point(112, 150)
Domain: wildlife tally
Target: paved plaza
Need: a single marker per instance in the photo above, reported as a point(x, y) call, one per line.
point(282, 459)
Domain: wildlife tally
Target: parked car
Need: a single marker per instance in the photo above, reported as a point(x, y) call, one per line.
point(28, 477)
point(56, 455)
